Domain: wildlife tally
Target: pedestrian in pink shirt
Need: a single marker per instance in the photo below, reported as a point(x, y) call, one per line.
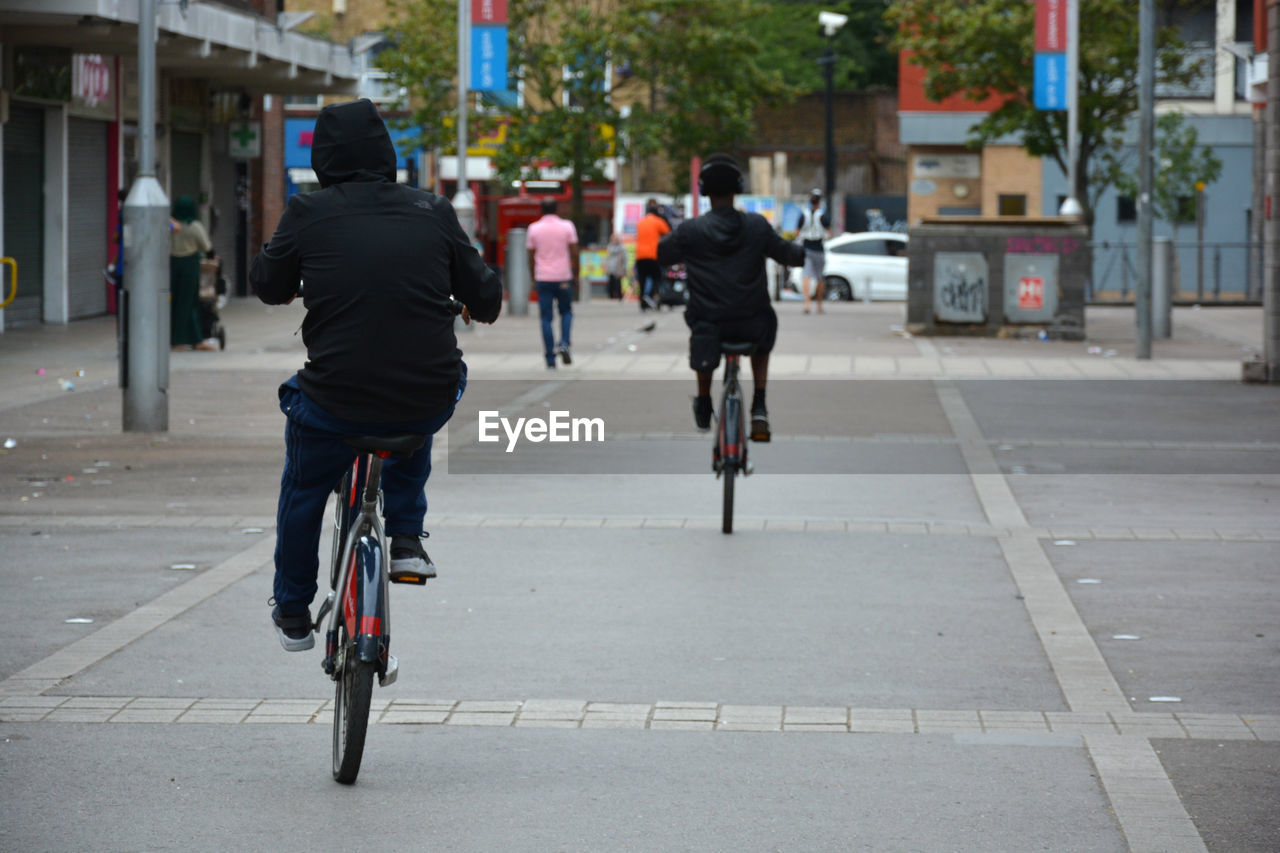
point(553, 263)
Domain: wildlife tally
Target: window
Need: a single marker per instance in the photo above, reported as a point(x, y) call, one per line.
point(1126, 209)
point(586, 76)
point(861, 247)
point(1011, 205)
point(1186, 209)
point(896, 248)
point(302, 102)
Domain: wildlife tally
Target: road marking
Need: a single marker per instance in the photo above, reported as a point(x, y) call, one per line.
point(85, 652)
point(1147, 807)
point(793, 524)
point(589, 714)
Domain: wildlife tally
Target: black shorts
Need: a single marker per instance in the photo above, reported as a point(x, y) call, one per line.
point(705, 336)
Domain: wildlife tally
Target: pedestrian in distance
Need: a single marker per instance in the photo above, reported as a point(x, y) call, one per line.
point(381, 264)
point(553, 264)
point(615, 265)
point(814, 229)
point(724, 251)
point(651, 228)
point(188, 241)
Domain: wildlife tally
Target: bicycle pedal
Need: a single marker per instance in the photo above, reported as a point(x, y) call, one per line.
point(393, 670)
point(323, 612)
point(410, 578)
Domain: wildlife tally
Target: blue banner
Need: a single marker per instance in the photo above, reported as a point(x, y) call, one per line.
point(489, 59)
point(1051, 81)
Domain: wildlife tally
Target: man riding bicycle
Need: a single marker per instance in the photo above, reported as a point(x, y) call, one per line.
point(380, 262)
point(724, 251)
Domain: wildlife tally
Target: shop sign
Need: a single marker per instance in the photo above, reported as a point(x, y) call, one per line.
point(244, 140)
point(93, 88)
point(947, 166)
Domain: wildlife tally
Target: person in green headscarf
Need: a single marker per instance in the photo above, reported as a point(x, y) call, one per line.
point(188, 241)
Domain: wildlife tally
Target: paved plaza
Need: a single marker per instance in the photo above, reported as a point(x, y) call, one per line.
point(982, 595)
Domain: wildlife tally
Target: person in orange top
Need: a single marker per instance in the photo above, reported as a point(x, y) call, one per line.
point(649, 230)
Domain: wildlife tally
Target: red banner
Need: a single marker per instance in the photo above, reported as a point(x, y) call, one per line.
point(484, 12)
point(1051, 26)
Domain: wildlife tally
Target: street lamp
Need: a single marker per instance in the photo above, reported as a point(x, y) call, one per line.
point(831, 22)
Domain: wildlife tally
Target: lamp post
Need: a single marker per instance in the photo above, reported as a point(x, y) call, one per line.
point(1071, 205)
point(831, 22)
point(146, 259)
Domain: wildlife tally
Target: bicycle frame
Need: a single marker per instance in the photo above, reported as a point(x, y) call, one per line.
point(731, 442)
point(361, 599)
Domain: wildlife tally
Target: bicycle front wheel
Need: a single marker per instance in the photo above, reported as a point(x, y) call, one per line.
point(730, 469)
point(352, 697)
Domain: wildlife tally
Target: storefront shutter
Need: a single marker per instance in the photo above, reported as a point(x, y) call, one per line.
point(87, 217)
point(24, 210)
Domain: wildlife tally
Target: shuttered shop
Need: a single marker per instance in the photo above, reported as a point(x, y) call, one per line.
point(86, 217)
point(24, 210)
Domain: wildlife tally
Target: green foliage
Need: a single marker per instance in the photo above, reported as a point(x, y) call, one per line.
point(791, 42)
point(706, 71)
point(975, 48)
point(573, 58)
point(1180, 163)
point(423, 59)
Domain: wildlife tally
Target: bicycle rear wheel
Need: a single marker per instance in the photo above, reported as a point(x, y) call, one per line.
point(730, 469)
point(352, 697)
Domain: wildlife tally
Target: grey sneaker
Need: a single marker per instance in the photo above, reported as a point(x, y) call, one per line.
point(409, 561)
point(294, 631)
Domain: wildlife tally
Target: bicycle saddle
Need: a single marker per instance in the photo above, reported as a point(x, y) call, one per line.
point(737, 347)
point(401, 446)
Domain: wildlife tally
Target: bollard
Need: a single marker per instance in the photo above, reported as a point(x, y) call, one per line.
point(1161, 287)
point(518, 278)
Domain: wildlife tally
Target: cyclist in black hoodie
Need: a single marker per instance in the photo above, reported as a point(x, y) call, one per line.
point(724, 251)
point(379, 261)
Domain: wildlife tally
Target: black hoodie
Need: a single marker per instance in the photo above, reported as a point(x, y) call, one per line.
point(378, 261)
point(724, 251)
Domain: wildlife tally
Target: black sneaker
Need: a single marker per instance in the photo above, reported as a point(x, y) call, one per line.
point(702, 413)
point(409, 561)
point(759, 421)
point(564, 354)
point(294, 631)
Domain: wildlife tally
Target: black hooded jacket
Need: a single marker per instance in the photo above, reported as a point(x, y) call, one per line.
point(378, 261)
point(724, 251)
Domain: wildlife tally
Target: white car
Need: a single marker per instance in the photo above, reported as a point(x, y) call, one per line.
point(878, 258)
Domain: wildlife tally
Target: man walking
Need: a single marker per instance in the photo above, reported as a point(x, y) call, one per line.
point(649, 230)
point(553, 264)
point(815, 225)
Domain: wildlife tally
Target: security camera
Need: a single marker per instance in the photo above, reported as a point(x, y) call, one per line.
point(831, 21)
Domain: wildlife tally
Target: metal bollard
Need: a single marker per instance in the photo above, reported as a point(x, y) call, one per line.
point(518, 280)
point(1161, 287)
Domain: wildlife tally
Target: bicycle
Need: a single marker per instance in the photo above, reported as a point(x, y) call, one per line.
point(729, 454)
point(358, 638)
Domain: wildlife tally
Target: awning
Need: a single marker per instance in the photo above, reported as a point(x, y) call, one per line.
point(228, 48)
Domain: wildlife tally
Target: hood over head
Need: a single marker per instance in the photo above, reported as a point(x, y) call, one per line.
point(351, 143)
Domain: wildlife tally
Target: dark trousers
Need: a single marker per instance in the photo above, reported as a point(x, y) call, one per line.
point(316, 457)
point(648, 277)
point(561, 294)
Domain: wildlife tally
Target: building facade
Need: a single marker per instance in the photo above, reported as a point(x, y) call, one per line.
point(68, 129)
point(1213, 254)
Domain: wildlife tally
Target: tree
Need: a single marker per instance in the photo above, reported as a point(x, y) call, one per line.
point(706, 73)
point(1181, 164)
point(977, 48)
point(423, 59)
point(791, 42)
point(598, 78)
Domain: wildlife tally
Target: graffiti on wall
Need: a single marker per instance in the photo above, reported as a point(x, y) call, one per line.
point(960, 287)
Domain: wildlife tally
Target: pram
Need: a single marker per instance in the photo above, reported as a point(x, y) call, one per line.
point(213, 295)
